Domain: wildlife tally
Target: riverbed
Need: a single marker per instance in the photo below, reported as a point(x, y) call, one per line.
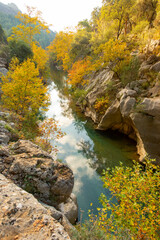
point(86, 150)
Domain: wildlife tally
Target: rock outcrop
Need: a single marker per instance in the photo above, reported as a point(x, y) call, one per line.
point(134, 110)
point(35, 171)
point(23, 217)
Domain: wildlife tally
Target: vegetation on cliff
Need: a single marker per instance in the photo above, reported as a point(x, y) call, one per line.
point(113, 37)
point(135, 213)
point(24, 90)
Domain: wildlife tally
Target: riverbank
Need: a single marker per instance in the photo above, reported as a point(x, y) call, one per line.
point(87, 151)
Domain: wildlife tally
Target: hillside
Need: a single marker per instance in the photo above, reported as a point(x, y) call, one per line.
point(8, 20)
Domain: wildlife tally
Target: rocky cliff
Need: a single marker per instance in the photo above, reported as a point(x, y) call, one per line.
point(50, 210)
point(134, 108)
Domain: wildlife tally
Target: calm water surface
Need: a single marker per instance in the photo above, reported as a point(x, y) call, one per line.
point(85, 150)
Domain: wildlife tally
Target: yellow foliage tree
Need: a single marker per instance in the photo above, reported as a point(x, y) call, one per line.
point(40, 57)
point(113, 54)
point(23, 90)
point(32, 23)
point(61, 46)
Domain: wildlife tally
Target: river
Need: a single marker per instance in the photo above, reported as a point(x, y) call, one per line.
point(86, 150)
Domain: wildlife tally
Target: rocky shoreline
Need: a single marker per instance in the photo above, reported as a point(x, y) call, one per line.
point(36, 191)
point(134, 108)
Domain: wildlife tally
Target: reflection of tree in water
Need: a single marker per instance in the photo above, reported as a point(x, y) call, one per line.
point(96, 162)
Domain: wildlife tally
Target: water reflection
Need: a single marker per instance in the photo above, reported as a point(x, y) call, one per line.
point(86, 150)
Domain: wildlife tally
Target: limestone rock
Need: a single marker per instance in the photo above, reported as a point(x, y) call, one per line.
point(60, 217)
point(151, 106)
point(141, 121)
point(112, 117)
point(70, 208)
point(97, 89)
point(126, 106)
point(155, 67)
point(3, 71)
point(35, 171)
point(23, 217)
point(144, 69)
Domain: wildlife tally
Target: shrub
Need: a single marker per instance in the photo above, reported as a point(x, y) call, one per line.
point(133, 211)
point(129, 71)
point(20, 50)
point(137, 213)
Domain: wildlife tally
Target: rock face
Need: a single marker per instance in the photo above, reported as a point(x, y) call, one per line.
point(35, 171)
point(134, 110)
point(70, 208)
point(23, 217)
point(97, 89)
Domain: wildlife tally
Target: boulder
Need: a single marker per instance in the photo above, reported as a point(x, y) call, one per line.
point(155, 67)
point(7, 133)
point(35, 171)
point(60, 217)
point(3, 71)
point(70, 208)
point(23, 217)
point(126, 106)
point(112, 117)
point(143, 70)
point(140, 121)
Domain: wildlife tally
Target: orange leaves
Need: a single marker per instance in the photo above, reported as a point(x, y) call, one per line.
point(78, 71)
point(101, 105)
point(49, 130)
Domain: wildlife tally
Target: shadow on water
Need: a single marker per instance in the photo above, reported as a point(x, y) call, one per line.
point(86, 150)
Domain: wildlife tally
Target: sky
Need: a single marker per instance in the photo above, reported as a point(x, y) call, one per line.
point(60, 13)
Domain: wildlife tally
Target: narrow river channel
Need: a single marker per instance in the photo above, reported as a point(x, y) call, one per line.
point(85, 150)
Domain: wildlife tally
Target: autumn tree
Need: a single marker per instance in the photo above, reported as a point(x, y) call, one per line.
point(147, 9)
point(49, 130)
point(40, 57)
point(23, 90)
point(31, 24)
point(61, 46)
point(112, 54)
point(117, 13)
point(76, 74)
point(80, 46)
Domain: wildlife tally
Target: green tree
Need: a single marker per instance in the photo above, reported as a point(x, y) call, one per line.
point(20, 50)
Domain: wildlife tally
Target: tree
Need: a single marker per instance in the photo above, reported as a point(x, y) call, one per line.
point(31, 24)
point(80, 46)
point(49, 130)
point(112, 54)
point(20, 50)
point(147, 9)
point(23, 90)
point(78, 71)
point(61, 46)
point(137, 213)
point(117, 12)
point(133, 212)
point(40, 57)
